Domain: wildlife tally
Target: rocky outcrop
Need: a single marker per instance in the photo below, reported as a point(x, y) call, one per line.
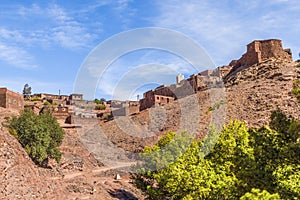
point(261, 88)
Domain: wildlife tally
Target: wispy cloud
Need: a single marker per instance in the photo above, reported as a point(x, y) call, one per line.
point(224, 28)
point(16, 56)
point(54, 28)
point(62, 29)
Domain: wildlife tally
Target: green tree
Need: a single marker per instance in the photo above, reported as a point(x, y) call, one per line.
point(257, 194)
point(244, 163)
point(40, 135)
point(97, 101)
point(100, 107)
point(296, 88)
point(27, 90)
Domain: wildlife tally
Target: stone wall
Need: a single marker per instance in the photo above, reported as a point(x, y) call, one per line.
point(124, 108)
point(222, 71)
point(11, 100)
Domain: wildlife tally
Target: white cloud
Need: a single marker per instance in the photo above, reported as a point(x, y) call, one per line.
point(224, 28)
point(16, 56)
point(54, 27)
point(58, 28)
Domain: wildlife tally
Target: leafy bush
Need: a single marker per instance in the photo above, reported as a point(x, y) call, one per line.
point(100, 107)
point(257, 194)
point(215, 106)
point(35, 99)
point(47, 103)
point(39, 135)
point(296, 89)
point(106, 116)
point(97, 101)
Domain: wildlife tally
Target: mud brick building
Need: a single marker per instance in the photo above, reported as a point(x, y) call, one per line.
point(152, 98)
point(260, 50)
point(11, 100)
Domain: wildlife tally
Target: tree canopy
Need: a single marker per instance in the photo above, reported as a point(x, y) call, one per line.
point(244, 164)
point(26, 90)
point(40, 135)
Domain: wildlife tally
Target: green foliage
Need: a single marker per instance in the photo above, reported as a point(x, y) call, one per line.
point(40, 135)
point(296, 89)
point(106, 116)
point(215, 106)
point(248, 164)
point(100, 107)
point(47, 103)
point(97, 101)
point(257, 194)
point(298, 65)
point(35, 99)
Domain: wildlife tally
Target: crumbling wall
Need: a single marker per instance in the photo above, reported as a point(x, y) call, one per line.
point(260, 50)
point(11, 100)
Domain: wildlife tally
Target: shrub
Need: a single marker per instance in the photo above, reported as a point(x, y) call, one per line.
point(47, 103)
point(97, 101)
point(35, 99)
point(100, 107)
point(296, 89)
point(106, 116)
point(257, 194)
point(39, 135)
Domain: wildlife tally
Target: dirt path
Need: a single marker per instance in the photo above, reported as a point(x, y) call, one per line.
point(93, 172)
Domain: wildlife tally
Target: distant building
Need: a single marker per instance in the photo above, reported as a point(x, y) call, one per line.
point(260, 50)
point(76, 97)
point(11, 100)
point(179, 78)
point(206, 73)
point(152, 99)
point(124, 108)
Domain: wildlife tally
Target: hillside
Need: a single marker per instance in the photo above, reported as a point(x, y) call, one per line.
point(250, 95)
point(94, 154)
point(79, 175)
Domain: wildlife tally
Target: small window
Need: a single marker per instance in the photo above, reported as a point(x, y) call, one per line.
point(157, 98)
point(168, 100)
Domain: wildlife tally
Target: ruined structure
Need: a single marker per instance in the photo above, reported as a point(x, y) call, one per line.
point(260, 50)
point(123, 108)
point(222, 71)
point(11, 100)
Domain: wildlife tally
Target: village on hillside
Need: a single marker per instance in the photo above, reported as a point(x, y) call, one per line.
point(67, 107)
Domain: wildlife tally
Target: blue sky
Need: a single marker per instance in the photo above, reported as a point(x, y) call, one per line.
point(44, 43)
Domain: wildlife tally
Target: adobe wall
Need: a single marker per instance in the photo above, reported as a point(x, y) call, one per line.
point(151, 98)
point(11, 100)
point(164, 91)
point(260, 50)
